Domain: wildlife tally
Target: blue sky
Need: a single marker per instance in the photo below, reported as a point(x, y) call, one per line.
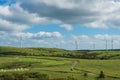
point(2, 2)
point(59, 23)
point(78, 30)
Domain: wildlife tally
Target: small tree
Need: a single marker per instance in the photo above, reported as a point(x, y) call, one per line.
point(101, 75)
point(85, 74)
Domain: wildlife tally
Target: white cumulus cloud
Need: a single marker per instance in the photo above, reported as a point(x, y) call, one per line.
point(9, 26)
point(67, 27)
point(4, 10)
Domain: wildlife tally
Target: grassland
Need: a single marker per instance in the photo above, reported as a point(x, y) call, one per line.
point(56, 63)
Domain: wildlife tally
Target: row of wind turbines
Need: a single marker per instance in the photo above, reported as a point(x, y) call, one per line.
point(76, 43)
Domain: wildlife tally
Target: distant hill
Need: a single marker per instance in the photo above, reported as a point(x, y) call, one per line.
point(32, 51)
point(83, 54)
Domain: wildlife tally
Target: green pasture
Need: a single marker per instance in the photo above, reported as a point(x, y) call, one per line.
point(58, 67)
point(54, 52)
point(57, 63)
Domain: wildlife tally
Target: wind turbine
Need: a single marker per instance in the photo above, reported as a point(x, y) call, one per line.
point(94, 46)
point(21, 41)
point(106, 44)
point(112, 44)
point(76, 45)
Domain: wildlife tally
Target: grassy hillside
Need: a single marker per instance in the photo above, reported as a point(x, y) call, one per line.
point(54, 52)
point(33, 51)
point(55, 64)
point(110, 54)
point(58, 68)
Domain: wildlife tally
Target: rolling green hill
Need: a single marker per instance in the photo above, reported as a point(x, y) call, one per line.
point(33, 51)
point(55, 64)
point(57, 68)
point(54, 52)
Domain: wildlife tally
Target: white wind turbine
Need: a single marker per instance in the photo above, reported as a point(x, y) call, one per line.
point(21, 41)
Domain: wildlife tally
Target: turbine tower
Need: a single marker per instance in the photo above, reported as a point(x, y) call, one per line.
point(112, 45)
point(106, 42)
point(21, 41)
point(94, 46)
point(76, 45)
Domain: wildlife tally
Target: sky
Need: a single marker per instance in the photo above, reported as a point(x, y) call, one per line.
point(65, 24)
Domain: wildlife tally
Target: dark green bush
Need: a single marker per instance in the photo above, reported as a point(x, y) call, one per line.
point(101, 75)
point(24, 76)
point(85, 74)
point(8, 77)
